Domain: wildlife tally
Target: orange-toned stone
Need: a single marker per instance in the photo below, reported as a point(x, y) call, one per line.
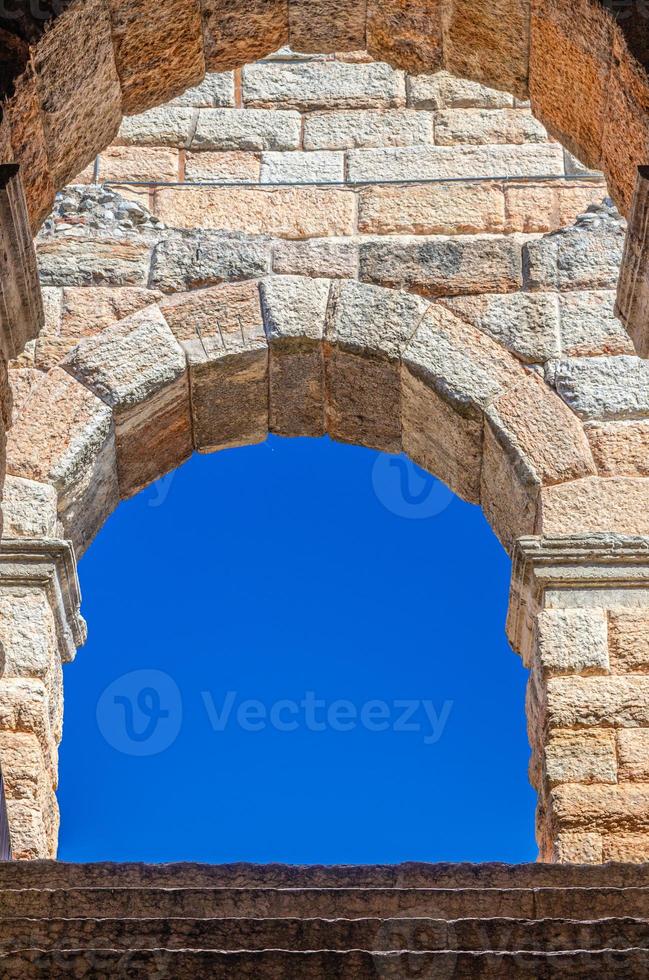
point(321, 26)
point(490, 43)
point(626, 128)
point(595, 505)
point(25, 121)
point(405, 34)
point(238, 32)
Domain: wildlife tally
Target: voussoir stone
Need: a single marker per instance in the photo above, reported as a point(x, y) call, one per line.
point(527, 324)
point(603, 388)
point(294, 310)
point(139, 369)
point(201, 316)
point(237, 33)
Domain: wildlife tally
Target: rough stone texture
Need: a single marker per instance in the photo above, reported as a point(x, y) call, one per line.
point(444, 90)
point(481, 126)
point(138, 163)
point(319, 166)
point(215, 91)
point(215, 312)
point(527, 324)
point(165, 126)
point(188, 261)
point(319, 85)
point(589, 326)
point(138, 368)
point(249, 129)
point(572, 641)
point(595, 505)
point(326, 25)
point(25, 119)
point(626, 124)
point(235, 34)
point(533, 208)
point(612, 388)
point(581, 757)
point(620, 448)
point(629, 641)
point(408, 35)
point(340, 130)
point(235, 166)
point(97, 262)
point(439, 162)
point(29, 509)
point(633, 753)
point(508, 491)
point(334, 258)
point(432, 209)
point(490, 43)
point(158, 50)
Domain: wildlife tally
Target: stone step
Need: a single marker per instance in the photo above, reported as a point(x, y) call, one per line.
point(551, 935)
point(442, 903)
point(334, 965)
point(55, 874)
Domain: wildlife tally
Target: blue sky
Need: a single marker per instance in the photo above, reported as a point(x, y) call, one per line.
point(296, 653)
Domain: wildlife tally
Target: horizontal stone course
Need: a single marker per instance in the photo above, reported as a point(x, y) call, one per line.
point(233, 166)
point(432, 209)
point(443, 90)
point(439, 162)
point(606, 388)
point(318, 166)
point(216, 90)
point(323, 85)
point(340, 130)
point(164, 126)
point(487, 126)
point(190, 260)
point(245, 129)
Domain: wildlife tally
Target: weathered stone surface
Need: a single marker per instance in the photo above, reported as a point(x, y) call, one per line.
point(629, 641)
point(246, 129)
point(527, 324)
point(633, 752)
point(29, 789)
point(626, 847)
point(589, 325)
point(215, 313)
point(235, 34)
point(564, 60)
point(22, 380)
point(340, 130)
point(294, 315)
point(25, 120)
point(578, 848)
point(625, 140)
point(584, 256)
point(318, 166)
point(373, 321)
point(93, 262)
point(533, 208)
point(603, 387)
point(80, 95)
point(600, 807)
point(572, 641)
point(138, 163)
point(405, 34)
point(581, 757)
point(490, 42)
point(479, 126)
point(299, 212)
point(438, 267)
point(620, 448)
point(431, 209)
point(444, 90)
point(439, 439)
point(64, 436)
point(509, 491)
point(216, 91)
point(539, 434)
point(29, 509)
point(439, 162)
point(594, 505)
point(324, 257)
point(158, 51)
point(321, 85)
point(609, 701)
point(164, 126)
point(88, 311)
point(24, 707)
point(235, 166)
point(188, 261)
point(322, 26)
point(139, 369)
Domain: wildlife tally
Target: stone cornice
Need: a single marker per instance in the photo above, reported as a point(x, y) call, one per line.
point(51, 564)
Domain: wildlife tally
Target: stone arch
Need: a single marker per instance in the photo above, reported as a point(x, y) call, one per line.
point(70, 85)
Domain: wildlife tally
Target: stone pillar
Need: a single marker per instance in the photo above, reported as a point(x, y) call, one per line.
point(579, 617)
point(40, 628)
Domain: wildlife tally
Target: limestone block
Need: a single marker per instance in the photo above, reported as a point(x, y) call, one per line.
point(138, 163)
point(215, 313)
point(215, 91)
point(322, 26)
point(323, 85)
point(439, 439)
point(206, 258)
point(164, 126)
point(620, 448)
point(542, 207)
point(589, 325)
point(405, 34)
point(532, 424)
point(318, 166)
point(453, 162)
point(572, 641)
point(236, 33)
point(22, 382)
point(234, 166)
point(25, 120)
point(609, 701)
point(490, 43)
point(367, 330)
point(563, 60)
point(585, 256)
point(527, 324)
point(29, 509)
point(625, 142)
point(340, 130)
point(139, 369)
point(24, 707)
point(479, 126)
point(509, 492)
point(27, 783)
point(581, 757)
point(295, 212)
point(463, 366)
point(85, 312)
point(28, 837)
point(79, 88)
point(578, 848)
point(626, 847)
point(598, 807)
point(294, 309)
point(321, 257)
point(93, 262)
point(431, 209)
point(158, 50)
point(443, 266)
point(629, 640)
point(595, 505)
point(246, 129)
point(444, 90)
point(603, 388)
point(633, 752)
point(64, 436)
